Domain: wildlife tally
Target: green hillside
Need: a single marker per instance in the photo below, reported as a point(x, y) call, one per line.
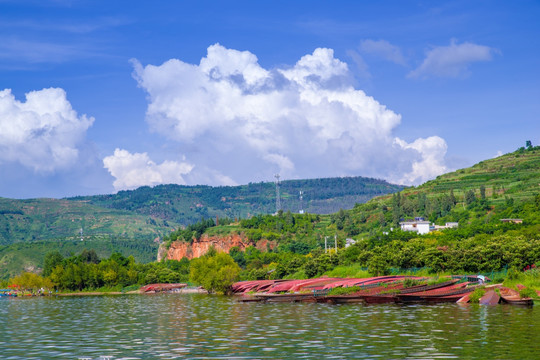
point(493, 189)
point(188, 204)
point(31, 228)
point(477, 198)
point(51, 219)
point(130, 220)
point(28, 256)
point(505, 187)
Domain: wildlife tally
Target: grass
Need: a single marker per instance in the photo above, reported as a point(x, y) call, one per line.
point(390, 292)
point(344, 290)
point(530, 279)
point(351, 271)
point(477, 295)
point(223, 230)
point(299, 275)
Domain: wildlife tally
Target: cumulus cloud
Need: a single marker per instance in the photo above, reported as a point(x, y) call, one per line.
point(431, 162)
point(134, 170)
point(42, 133)
point(244, 122)
point(383, 49)
point(453, 60)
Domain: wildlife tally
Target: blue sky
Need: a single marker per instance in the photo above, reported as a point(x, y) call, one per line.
point(100, 96)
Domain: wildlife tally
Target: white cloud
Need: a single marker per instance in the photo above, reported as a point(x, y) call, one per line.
point(42, 133)
point(244, 122)
point(361, 66)
point(431, 162)
point(383, 49)
point(453, 60)
point(134, 170)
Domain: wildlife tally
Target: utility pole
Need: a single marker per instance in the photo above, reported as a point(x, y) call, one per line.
point(325, 244)
point(335, 241)
point(278, 199)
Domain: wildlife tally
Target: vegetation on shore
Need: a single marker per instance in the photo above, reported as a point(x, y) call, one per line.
point(477, 198)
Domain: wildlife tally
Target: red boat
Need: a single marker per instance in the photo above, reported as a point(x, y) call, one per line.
point(511, 296)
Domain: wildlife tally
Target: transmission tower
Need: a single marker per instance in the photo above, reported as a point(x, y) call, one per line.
point(278, 199)
point(301, 202)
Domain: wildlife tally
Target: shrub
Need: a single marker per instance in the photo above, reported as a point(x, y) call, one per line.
point(344, 290)
point(477, 295)
point(411, 282)
point(215, 273)
point(527, 293)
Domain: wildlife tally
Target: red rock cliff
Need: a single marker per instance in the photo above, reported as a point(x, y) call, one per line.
point(199, 247)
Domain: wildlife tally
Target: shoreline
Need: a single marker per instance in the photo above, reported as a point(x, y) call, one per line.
point(134, 292)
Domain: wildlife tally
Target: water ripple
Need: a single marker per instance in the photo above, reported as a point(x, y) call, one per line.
point(179, 326)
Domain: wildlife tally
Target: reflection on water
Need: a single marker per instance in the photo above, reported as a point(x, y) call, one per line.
point(197, 326)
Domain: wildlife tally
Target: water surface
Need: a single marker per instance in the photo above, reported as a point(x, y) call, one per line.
point(195, 326)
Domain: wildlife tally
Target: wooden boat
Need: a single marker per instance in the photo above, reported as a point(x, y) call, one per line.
point(342, 299)
point(489, 298)
point(449, 296)
point(450, 293)
point(380, 299)
point(511, 296)
point(419, 288)
point(288, 297)
point(418, 294)
point(249, 299)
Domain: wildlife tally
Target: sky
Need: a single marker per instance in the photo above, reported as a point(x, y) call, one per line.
point(102, 96)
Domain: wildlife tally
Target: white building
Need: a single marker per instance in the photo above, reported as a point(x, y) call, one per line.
point(422, 226)
point(349, 242)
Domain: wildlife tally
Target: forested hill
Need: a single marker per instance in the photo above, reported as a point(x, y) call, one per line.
point(129, 221)
point(504, 187)
point(477, 198)
point(188, 204)
point(31, 228)
point(52, 219)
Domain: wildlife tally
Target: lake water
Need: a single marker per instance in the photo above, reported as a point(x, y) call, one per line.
point(195, 326)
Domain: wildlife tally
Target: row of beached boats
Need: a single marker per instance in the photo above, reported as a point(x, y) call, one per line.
point(8, 292)
point(374, 290)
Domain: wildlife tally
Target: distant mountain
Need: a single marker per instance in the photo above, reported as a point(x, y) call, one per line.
point(130, 221)
point(51, 219)
point(188, 204)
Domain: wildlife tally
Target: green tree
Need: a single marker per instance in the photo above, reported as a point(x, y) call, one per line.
point(378, 265)
point(215, 273)
point(482, 192)
point(89, 256)
point(470, 197)
point(396, 208)
point(52, 260)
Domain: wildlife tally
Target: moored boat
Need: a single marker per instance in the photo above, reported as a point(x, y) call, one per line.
point(287, 297)
point(489, 298)
point(511, 296)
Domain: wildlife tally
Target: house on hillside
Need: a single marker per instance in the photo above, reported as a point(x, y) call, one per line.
point(349, 242)
point(515, 221)
point(420, 226)
point(448, 225)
